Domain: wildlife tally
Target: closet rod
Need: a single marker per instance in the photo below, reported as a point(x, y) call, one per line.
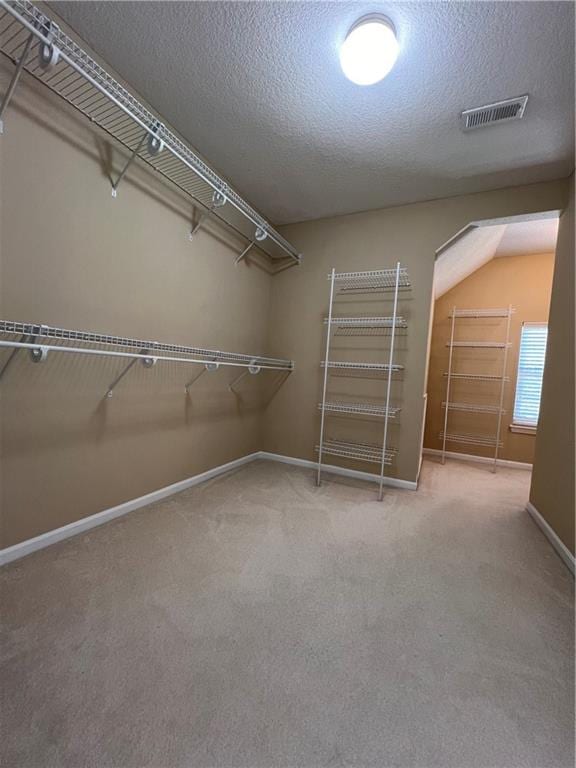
point(36, 330)
point(57, 48)
point(40, 350)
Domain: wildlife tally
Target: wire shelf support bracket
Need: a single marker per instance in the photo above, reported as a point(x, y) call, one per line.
point(135, 151)
point(14, 80)
point(147, 362)
point(252, 370)
point(212, 366)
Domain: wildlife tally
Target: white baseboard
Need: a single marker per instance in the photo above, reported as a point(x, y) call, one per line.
point(561, 548)
point(481, 459)
point(333, 469)
point(79, 526)
point(86, 523)
point(24, 548)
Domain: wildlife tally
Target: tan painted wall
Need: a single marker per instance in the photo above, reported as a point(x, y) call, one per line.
point(370, 240)
point(552, 491)
point(73, 256)
point(523, 281)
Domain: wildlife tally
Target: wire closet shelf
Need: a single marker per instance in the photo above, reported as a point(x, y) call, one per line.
point(35, 43)
point(370, 282)
point(500, 378)
point(42, 340)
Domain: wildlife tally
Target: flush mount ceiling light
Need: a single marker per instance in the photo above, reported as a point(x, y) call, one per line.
point(370, 50)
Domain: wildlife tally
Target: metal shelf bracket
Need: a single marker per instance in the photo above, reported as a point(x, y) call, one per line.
point(213, 366)
point(252, 369)
point(147, 362)
point(128, 163)
point(48, 53)
point(14, 79)
point(219, 199)
point(259, 236)
point(239, 258)
point(13, 355)
point(39, 354)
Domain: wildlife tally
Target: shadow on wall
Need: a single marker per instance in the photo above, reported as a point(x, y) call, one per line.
point(110, 162)
point(64, 400)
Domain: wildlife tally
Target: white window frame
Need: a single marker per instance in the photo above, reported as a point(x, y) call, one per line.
point(519, 424)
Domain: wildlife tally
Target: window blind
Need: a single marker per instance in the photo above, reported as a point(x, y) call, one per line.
point(530, 372)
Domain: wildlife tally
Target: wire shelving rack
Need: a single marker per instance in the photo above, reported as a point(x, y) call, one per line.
point(487, 409)
point(382, 281)
point(41, 340)
point(354, 366)
point(358, 451)
point(35, 43)
point(360, 409)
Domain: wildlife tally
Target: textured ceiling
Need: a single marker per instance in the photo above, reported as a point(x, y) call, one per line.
point(466, 255)
point(257, 89)
point(537, 236)
point(477, 245)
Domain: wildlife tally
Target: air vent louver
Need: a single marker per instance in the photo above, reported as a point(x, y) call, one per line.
point(490, 114)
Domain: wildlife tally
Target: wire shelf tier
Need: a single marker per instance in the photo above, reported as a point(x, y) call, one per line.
point(366, 326)
point(480, 344)
point(369, 322)
point(477, 313)
point(78, 79)
point(381, 367)
point(485, 440)
point(369, 452)
point(37, 331)
point(360, 409)
point(473, 408)
point(476, 376)
point(371, 281)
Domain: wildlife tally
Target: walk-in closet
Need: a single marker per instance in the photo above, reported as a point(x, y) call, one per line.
point(286, 384)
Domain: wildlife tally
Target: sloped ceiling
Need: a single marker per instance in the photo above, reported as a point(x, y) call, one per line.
point(477, 245)
point(529, 237)
point(257, 88)
point(468, 253)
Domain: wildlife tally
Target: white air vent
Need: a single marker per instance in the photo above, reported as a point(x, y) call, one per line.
point(490, 114)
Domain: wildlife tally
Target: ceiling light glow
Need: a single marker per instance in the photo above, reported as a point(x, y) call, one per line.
point(370, 50)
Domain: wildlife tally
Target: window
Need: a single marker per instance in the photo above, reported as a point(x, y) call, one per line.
point(530, 372)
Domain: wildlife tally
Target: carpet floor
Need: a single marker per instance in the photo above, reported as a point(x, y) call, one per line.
point(257, 621)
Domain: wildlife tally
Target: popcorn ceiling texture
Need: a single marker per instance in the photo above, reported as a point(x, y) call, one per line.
point(257, 88)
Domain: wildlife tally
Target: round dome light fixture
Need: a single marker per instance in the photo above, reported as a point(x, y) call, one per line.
point(370, 50)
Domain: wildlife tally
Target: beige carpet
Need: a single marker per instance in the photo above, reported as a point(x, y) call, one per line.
point(259, 622)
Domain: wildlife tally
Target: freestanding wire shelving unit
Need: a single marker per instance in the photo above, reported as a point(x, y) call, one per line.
point(487, 440)
point(361, 283)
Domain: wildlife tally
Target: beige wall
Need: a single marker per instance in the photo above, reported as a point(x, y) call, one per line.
point(523, 281)
point(73, 256)
point(552, 491)
point(370, 240)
